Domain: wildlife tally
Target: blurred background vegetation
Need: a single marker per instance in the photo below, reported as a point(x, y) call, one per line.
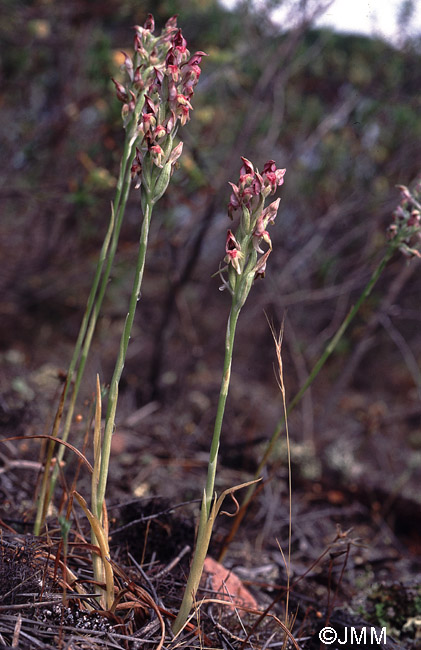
point(341, 112)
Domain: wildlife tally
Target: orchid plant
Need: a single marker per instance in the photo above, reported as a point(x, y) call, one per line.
point(245, 260)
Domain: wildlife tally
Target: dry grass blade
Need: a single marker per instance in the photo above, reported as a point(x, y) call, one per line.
point(280, 380)
point(44, 436)
point(16, 632)
point(103, 546)
point(142, 598)
point(257, 612)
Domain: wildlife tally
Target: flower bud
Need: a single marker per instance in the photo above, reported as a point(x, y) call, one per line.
point(179, 42)
point(121, 92)
point(128, 65)
point(162, 182)
point(136, 169)
point(171, 24)
point(171, 121)
point(138, 82)
point(149, 23)
point(269, 213)
point(175, 154)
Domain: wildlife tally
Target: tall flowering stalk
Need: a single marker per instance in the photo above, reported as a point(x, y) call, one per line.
point(160, 80)
point(165, 73)
point(247, 252)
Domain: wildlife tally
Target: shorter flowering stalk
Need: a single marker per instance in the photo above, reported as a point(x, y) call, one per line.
point(404, 234)
point(245, 261)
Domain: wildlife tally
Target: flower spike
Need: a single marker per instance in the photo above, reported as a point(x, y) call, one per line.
point(243, 248)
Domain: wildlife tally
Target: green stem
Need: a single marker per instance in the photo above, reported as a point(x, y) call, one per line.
point(223, 393)
point(205, 525)
point(124, 342)
point(89, 321)
point(202, 544)
point(206, 520)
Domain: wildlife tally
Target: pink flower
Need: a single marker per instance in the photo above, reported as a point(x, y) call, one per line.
point(233, 252)
point(191, 72)
point(148, 122)
point(273, 177)
point(160, 131)
point(247, 167)
point(183, 100)
point(234, 203)
point(156, 154)
point(179, 45)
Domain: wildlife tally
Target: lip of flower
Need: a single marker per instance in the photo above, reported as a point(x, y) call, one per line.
point(156, 154)
point(257, 238)
point(233, 257)
point(160, 131)
point(174, 71)
point(183, 101)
